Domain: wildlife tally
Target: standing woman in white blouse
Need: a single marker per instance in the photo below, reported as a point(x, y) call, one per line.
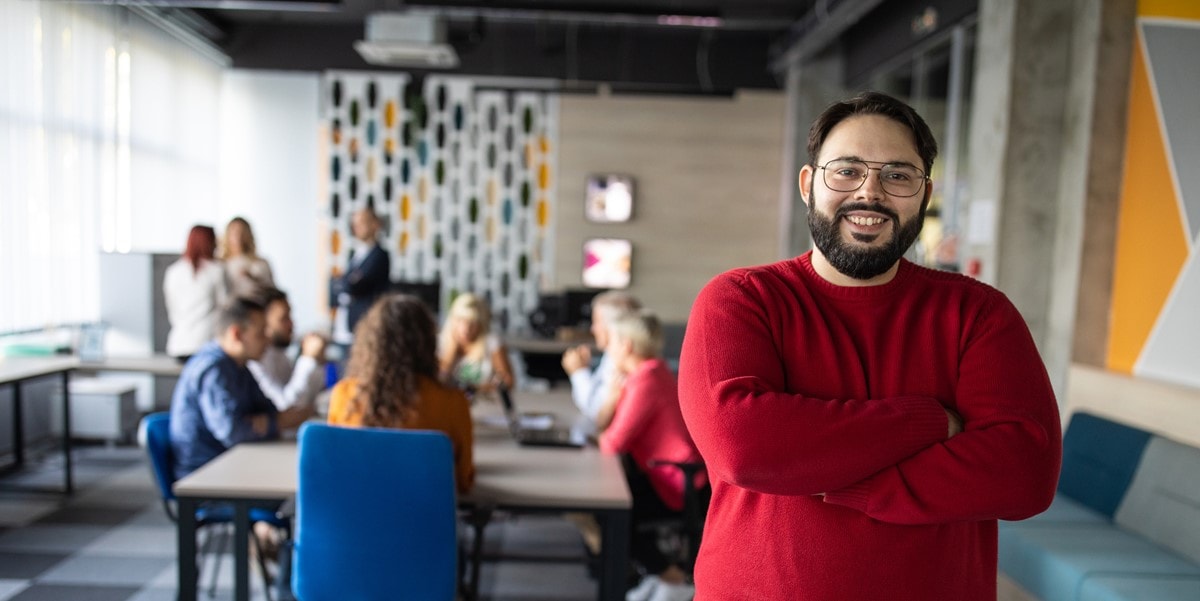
point(194, 289)
point(249, 274)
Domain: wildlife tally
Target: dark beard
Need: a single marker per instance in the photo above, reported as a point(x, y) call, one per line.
point(862, 263)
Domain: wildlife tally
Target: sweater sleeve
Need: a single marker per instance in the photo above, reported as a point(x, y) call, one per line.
point(755, 434)
point(1005, 463)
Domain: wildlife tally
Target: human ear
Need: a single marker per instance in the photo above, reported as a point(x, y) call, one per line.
point(805, 181)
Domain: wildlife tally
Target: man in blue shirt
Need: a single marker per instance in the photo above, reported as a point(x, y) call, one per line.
point(217, 403)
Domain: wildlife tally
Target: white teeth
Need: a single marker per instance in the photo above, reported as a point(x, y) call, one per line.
point(865, 220)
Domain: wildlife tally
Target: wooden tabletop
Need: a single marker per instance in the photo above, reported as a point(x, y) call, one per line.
point(507, 475)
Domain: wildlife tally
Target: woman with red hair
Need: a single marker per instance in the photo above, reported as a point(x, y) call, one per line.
point(194, 288)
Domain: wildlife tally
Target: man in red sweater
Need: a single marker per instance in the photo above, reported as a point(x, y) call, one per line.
point(865, 421)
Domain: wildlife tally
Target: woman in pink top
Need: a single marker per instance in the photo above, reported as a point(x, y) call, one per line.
point(648, 425)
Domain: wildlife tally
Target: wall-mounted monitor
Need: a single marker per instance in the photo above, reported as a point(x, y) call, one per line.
point(609, 198)
point(607, 262)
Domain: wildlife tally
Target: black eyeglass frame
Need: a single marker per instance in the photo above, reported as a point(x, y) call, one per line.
point(824, 168)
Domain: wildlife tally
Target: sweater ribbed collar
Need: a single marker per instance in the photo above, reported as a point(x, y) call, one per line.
point(803, 265)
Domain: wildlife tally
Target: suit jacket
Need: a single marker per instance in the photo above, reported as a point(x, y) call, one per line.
point(364, 281)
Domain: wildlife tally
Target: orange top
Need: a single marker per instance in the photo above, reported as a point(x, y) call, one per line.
point(438, 408)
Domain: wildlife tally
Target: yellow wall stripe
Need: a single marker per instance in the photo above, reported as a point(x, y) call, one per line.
point(1178, 9)
point(1151, 247)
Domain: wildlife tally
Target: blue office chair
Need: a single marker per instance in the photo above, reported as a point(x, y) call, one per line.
point(154, 435)
point(375, 515)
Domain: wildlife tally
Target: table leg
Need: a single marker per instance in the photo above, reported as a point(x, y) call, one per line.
point(68, 481)
point(18, 434)
point(615, 554)
point(241, 554)
point(186, 549)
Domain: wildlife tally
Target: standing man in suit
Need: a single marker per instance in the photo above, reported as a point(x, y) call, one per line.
point(368, 275)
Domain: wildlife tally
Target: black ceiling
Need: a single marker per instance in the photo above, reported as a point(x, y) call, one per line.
point(632, 45)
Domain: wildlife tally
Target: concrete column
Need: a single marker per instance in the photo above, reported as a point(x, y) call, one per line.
point(811, 87)
point(1035, 117)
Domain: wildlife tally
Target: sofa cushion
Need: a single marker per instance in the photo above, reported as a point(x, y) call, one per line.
point(1099, 459)
point(1052, 561)
point(1163, 501)
point(1063, 510)
point(1141, 588)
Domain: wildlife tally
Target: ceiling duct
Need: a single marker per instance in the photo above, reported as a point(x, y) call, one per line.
point(407, 40)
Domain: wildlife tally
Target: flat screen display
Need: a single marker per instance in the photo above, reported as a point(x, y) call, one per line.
point(609, 198)
point(607, 262)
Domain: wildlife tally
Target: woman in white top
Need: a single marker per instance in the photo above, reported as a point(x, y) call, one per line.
point(249, 274)
point(469, 355)
point(194, 289)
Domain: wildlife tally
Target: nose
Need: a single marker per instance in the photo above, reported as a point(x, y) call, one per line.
point(872, 188)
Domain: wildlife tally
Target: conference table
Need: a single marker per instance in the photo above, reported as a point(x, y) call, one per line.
point(508, 477)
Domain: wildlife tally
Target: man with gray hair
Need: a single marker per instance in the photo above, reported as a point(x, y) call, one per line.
point(590, 388)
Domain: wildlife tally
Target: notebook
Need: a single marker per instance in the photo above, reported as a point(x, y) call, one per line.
point(545, 436)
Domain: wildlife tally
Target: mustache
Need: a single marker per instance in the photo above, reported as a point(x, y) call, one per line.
point(845, 209)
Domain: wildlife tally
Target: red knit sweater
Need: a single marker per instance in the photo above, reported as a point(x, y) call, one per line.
point(819, 411)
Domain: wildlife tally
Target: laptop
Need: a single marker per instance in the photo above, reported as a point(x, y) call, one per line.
point(549, 436)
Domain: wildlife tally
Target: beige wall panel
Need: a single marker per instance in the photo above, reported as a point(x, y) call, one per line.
point(707, 184)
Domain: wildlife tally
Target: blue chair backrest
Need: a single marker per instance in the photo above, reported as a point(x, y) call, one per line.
point(1099, 459)
point(375, 515)
point(155, 436)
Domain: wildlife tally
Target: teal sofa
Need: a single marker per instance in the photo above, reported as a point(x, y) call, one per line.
point(1124, 525)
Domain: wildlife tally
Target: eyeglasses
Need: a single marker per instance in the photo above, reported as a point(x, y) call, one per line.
point(898, 179)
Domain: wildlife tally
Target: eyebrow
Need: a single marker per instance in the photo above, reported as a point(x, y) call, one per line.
point(855, 157)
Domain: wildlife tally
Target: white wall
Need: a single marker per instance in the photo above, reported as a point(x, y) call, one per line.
point(270, 174)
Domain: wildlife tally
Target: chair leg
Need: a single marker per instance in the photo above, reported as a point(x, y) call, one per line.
point(222, 539)
point(262, 564)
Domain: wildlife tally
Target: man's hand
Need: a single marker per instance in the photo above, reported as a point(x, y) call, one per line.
point(956, 423)
point(260, 423)
point(313, 345)
point(576, 359)
point(295, 415)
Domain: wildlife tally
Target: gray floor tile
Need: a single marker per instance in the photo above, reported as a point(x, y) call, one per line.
point(27, 565)
point(154, 593)
point(512, 581)
point(55, 592)
point(151, 515)
point(9, 588)
point(135, 541)
point(25, 511)
point(50, 538)
point(98, 516)
point(92, 569)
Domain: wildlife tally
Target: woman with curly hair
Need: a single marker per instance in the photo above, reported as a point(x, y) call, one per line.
point(392, 380)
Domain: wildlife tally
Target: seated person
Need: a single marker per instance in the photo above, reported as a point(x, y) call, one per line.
point(392, 381)
point(646, 425)
point(470, 356)
point(217, 403)
point(285, 382)
point(593, 388)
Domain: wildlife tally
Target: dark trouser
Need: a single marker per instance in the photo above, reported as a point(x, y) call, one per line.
point(647, 508)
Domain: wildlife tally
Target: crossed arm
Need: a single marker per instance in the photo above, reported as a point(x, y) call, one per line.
point(898, 459)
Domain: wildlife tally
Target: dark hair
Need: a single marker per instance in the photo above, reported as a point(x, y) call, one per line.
point(270, 295)
point(237, 312)
point(201, 244)
point(872, 103)
point(394, 344)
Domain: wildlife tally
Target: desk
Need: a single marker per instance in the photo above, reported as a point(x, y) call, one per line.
point(15, 371)
point(158, 365)
point(507, 477)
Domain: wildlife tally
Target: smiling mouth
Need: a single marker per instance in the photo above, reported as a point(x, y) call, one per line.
point(857, 220)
